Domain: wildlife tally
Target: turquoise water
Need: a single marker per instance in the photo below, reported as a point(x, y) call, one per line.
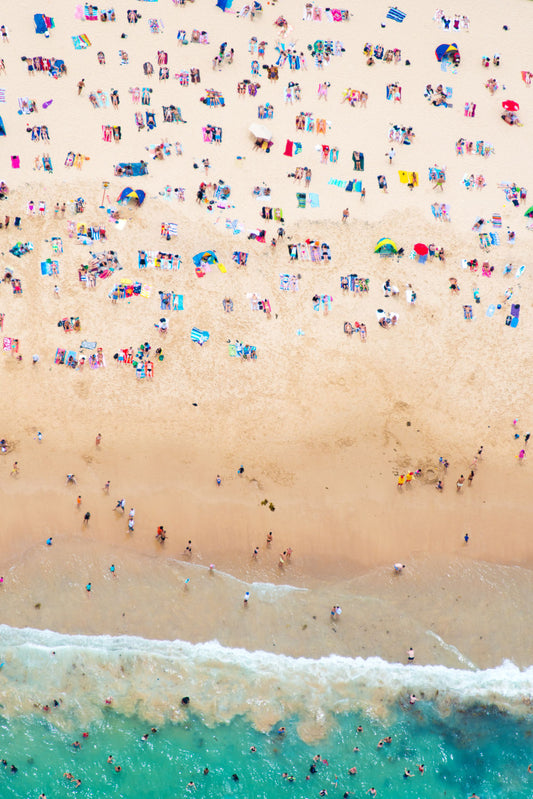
point(473, 733)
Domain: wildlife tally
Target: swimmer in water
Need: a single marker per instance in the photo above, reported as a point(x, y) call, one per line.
point(359, 729)
point(407, 773)
point(206, 770)
point(352, 770)
point(372, 792)
point(110, 758)
point(118, 769)
point(253, 749)
point(421, 768)
point(412, 699)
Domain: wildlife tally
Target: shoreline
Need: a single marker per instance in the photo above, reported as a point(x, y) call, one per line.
point(383, 613)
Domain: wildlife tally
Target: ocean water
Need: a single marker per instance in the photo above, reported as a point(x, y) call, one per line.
point(472, 730)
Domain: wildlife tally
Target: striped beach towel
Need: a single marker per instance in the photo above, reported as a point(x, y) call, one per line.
point(396, 15)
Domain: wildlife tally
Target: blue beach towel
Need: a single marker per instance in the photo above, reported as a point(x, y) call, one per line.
point(314, 200)
point(199, 336)
point(396, 15)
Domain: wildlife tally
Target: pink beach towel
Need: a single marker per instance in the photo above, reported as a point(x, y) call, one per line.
point(288, 148)
point(15, 162)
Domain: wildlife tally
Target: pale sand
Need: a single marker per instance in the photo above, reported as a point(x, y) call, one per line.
point(319, 421)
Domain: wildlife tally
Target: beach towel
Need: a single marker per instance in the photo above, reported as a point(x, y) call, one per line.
point(288, 148)
point(199, 336)
point(314, 200)
point(60, 356)
point(490, 310)
point(15, 160)
point(301, 198)
point(467, 312)
point(177, 302)
point(396, 15)
point(232, 350)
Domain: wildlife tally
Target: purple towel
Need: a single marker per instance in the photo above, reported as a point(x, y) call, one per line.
point(515, 311)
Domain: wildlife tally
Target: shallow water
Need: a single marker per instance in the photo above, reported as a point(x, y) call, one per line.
point(471, 729)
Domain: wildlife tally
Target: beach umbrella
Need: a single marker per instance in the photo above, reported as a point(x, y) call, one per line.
point(421, 249)
point(510, 105)
point(137, 195)
point(386, 245)
point(529, 212)
point(260, 131)
point(446, 51)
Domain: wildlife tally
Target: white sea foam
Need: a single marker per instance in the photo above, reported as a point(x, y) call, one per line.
point(149, 678)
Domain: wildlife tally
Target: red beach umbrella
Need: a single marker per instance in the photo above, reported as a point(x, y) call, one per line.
point(510, 105)
point(420, 249)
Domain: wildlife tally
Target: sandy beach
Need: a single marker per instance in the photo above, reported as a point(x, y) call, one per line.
point(322, 422)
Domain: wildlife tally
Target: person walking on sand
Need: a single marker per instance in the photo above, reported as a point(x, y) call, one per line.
point(410, 654)
point(107, 487)
point(81, 86)
point(460, 483)
point(98, 439)
point(78, 502)
point(398, 568)
point(121, 505)
point(345, 214)
point(86, 519)
point(471, 477)
point(15, 469)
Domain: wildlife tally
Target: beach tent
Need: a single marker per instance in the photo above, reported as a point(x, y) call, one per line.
point(421, 249)
point(446, 51)
point(386, 246)
point(43, 23)
point(260, 131)
point(131, 195)
point(206, 257)
point(2, 128)
point(529, 212)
